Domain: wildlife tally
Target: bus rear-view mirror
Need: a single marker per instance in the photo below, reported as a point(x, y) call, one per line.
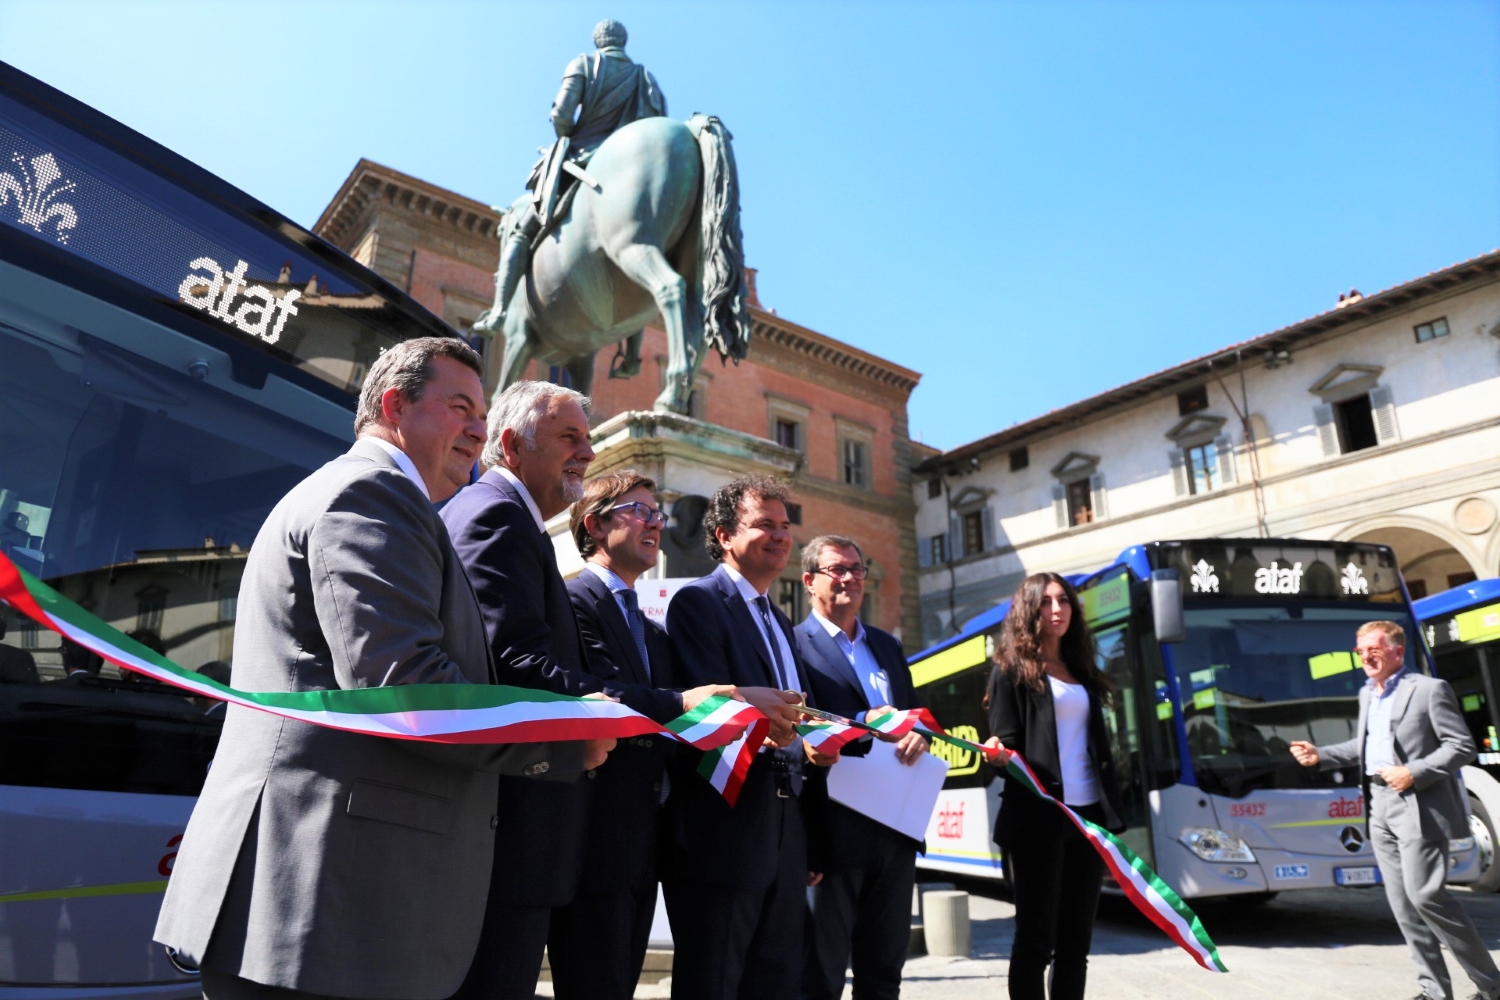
point(1166, 606)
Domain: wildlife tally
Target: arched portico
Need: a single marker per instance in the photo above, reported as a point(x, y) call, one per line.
point(1431, 558)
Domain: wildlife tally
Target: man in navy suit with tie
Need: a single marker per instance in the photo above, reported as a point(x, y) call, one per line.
point(863, 903)
point(598, 942)
point(736, 878)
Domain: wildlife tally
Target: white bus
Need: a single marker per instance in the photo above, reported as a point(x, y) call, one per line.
point(173, 357)
point(1221, 652)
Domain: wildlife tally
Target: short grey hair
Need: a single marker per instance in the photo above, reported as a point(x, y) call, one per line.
point(517, 409)
point(609, 32)
point(814, 549)
point(408, 367)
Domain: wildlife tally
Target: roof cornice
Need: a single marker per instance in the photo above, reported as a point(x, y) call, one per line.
point(825, 350)
point(370, 180)
point(1476, 270)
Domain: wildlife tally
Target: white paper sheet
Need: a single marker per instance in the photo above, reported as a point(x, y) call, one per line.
point(878, 785)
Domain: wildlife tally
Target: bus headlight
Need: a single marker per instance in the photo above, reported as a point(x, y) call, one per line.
point(1215, 845)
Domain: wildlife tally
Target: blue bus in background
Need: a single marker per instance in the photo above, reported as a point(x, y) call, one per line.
point(1221, 652)
point(174, 356)
point(1462, 628)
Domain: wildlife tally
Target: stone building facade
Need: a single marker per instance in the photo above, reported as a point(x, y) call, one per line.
point(1376, 421)
point(831, 416)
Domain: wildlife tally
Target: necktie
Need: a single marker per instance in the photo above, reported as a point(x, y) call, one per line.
point(637, 623)
point(763, 605)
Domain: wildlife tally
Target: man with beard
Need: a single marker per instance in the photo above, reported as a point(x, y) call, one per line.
point(537, 452)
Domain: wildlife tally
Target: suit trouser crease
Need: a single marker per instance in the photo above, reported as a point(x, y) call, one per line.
point(1056, 876)
point(737, 943)
point(861, 916)
point(1414, 870)
point(597, 944)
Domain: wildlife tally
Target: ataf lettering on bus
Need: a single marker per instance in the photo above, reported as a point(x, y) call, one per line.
point(1346, 808)
point(950, 824)
point(1276, 579)
point(212, 289)
point(164, 866)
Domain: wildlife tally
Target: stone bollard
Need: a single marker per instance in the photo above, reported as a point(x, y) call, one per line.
point(945, 922)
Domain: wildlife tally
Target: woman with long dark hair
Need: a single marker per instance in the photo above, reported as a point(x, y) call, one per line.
point(1046, 700)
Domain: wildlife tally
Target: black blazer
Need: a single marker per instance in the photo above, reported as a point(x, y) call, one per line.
point(534, 638)
point(1025, 720)
point(715, 641)
point(844, 838)
point(620, 851)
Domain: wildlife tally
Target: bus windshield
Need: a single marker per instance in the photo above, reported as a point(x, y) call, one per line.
point(1255, 677)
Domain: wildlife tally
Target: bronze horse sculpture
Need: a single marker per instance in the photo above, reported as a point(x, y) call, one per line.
point(652, 234)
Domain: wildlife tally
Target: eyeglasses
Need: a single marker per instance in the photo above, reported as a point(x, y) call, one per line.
point(858, 571)
point(647, 515)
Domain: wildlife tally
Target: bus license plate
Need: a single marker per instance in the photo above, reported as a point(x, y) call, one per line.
point(1369, 875)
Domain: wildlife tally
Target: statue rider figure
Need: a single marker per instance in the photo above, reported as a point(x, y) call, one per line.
point(601, 93)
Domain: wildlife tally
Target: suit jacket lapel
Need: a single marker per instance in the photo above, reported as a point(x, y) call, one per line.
point(829, 650)
point(750, 632)
point(614, 620)
point(1400, 700)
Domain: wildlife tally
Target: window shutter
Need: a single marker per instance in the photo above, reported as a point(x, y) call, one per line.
point(989, 528)
point(1179, 471)
point(1060, 505)
point(1097, 497)
point(955, 547)
point(1224, 446)
point(1328, 432)
point(1384, 410)
point(924, 552)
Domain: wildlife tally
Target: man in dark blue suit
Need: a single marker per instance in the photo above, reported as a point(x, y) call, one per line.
point(598, 941)
point(736, 877)
point(863, 904)
point(538, 450)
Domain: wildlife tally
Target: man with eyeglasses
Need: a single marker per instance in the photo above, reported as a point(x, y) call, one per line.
point(598, 941)
point(862, 907)
point(1410, 742)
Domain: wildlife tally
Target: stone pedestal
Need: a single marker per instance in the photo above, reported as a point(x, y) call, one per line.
point(689, 459)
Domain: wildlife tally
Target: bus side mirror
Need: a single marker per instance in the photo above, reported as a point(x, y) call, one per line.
point(1166, 606)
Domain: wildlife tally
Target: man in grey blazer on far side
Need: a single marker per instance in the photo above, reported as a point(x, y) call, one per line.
point(326, 863)
point(1410, 742)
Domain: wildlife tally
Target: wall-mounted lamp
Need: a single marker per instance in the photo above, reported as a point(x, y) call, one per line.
point(1278, 356)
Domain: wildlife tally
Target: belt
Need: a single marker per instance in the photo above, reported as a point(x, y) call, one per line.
point(1376, 779)
point(788, 770)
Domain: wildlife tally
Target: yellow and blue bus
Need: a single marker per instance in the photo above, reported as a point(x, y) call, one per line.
point(1221, 652)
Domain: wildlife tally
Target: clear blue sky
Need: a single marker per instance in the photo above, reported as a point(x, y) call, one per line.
point(1027, 202)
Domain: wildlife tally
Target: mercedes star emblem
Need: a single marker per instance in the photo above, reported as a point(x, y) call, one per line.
point(1353, 838)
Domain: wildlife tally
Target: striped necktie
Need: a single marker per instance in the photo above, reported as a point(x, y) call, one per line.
point(637, 623)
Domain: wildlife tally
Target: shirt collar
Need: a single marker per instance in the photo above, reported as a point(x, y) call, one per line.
point(536, 512)
point(838, 634)
point(1390, 684)
point(610, 577)
point(403, 462)
point(746, 589)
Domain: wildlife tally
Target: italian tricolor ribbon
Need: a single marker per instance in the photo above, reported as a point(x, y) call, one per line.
point(1154, 898)
point(436, 713)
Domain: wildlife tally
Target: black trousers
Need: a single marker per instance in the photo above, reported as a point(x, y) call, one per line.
point(1056, 877)
point(733, 943)
point(863, 914)
point(508, 961)
point(597, 944)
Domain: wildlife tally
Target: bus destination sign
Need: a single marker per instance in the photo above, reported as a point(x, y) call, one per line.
point(1254, 568)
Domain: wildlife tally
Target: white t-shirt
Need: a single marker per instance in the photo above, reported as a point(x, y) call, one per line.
point(1070, 703)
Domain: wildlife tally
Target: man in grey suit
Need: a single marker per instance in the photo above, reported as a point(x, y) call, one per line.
point(326, 863)
point(1410, 742)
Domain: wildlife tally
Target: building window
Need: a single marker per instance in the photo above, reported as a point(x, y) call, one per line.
point(939, 545)
point(558, 375)
point(789, 598)
point(789, 434)
point(934, 488)
point(151, 605)
point(1202, 467)
point(1459, 579)
point(856, 464)
point(973, 532)
point(1192, 400)
point(1355, 421)
point(228, 607)
point(1432, 331)
point(29, 635)
point(794, 513)
point(1080, 502)
point(1020, 458)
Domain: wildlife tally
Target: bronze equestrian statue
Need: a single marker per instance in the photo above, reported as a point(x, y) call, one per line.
point(631, 217)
